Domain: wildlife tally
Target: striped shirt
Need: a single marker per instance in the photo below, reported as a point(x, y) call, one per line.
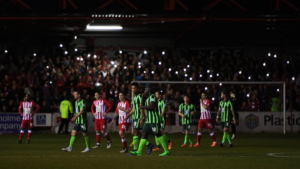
point(122, 114)
point(225, 107)
point(152, 115)
point(101, 106)
point(27, 108)
point(82, 119)
point(205, 113)
point(161, 107)
point(187, 111)
point(135, 104)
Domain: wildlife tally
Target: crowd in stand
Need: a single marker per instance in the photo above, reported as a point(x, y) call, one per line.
point(50, 77)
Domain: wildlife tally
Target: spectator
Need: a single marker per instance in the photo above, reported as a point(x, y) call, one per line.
point(254, 103)
point(45, 108)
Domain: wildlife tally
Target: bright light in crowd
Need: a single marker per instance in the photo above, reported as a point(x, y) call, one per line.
point(78, 58)
point(213, 99)
point(248, 95)
point(139, 67)
point(293, 78)
point(269, 54)
point(76, 49)
point(144, 71)
point(81, 59)
point(115, 66)
point(61, 45)
point(191, 78)
point(159, 63)
point(249, 77)
point(217, 74)
point(185, 75)
point(210, 76)
point(139, 63)
point(5, 51)
point(90, 27)
point(207, 71)
point(277, 90)
point(112, 62)
point(170, 69)
point(264, 64)
point(125, 67)
point(188, 66)
point(240, 72)
point(267, 74)
point(200, 75)
point(97, 84)
point(176, 72)
point(163, 53)
point(120, 52)
point(95, 56)
point(220, 84)
point(152, 72)
point(47, 67)
point(66, 52)
point(75, 37)
point(89, 55)
point(184, 69)
point(34, 54)
point(288, 62)
point(145, 52)
point(275, 56)
point(205, 88)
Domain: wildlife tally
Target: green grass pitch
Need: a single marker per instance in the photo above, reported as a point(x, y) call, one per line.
point(249, 151)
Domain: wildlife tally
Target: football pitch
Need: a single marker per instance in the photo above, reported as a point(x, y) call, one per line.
point(249, 151)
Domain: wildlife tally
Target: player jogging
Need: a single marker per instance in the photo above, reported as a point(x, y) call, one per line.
point(80, 123)
point(224, 113)
point(205, 120)
point(162, 114)
point(136, 117)
point(123, 108)
point(102, 107)
point(26, 110)
point(152, 124)
point(186, 111)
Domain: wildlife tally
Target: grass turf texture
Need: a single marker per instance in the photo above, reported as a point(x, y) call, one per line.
point(249, 151)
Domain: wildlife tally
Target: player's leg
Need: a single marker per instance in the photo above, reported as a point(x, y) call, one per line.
point(72, 139)
point(103, 131)
point(98, 137)
point(30, 125)
point(60, 126)
point(225, 125)
point(163, 125)
point(23, 125)
point(233, 129)
point(163, 143)
point(66, 126)
point(136, 133)
point(122, 134)
point(86, 138)
point(200, 129)
point(208, 126)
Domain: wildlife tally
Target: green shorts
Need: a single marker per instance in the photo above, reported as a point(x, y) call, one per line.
point(163, 125)
point(151, 128)
point(136, 124)
point(80, 127)
point(225, 124)
point(186, 127)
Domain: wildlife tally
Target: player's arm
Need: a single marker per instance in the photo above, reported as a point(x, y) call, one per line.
point(115, 117)
point(204, 106)
point(71, 107)
point(129, 114)
point(180, 111)
point(218, 115)
point(164, 109)
point(125, 110)
point(93, 109)
point(109, 107)
point(151, 105)
point(20, 109)
point(233, 114)
point(80, 113)
point(37, 108)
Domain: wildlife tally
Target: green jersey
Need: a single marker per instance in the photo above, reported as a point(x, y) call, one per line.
point(161, 107)
point(186, 110)
point(135, 104)
point(83, 117)
point(152, 115)
point(226, 113)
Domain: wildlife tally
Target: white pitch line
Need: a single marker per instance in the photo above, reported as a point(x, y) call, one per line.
point(278, 155)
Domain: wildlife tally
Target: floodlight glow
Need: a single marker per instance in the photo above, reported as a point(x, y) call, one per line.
point(5, 51)
point(95, 56)
point(78, 58)
point(184, 69)
point(76, 49)
point(115, 66)
point(264, 64)
point(249, 77)
point(61, 45)
point(185, 75)
point(176, 72)
point(288, 62)
point(152, 72)
point(144, 71)
point(120, 52)
point(213, 99)
point(81, 59)
point(191, 78)
point(240, 72)
point(145, 52)
point(89, 55)
point(34, 54)
point(217, 74)
point(277, 90)
point(210, 76)
point(89, 27)
point(170, 69)
point(75, 37)
point(125, 67)
point(139, 67)
point(112, 62)
point(188, 66)
point(200, 75)
point(220, 84)
point(267, 74)
point(269, 54)
point(248, 95)
point(205, 88)
point(159, 63)
point(66, 52)
point(163, 53)
point(139, 63)
point(275, 56)
point(207, 71)
point(293, 78)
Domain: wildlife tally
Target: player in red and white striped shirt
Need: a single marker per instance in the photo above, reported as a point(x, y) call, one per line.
point(100, 108)
point(26, 110)
point(122, 110)
point(205, 120)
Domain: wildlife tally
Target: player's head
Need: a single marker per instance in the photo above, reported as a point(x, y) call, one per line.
point(121, 96)
point(158, 94)
point(134, 87)
point(204, 95)
point(147, 91)
point(186, 98)
point(224, 95)
point(27, 97)
point(97, 95)
point(76, 95)
point(232, 95)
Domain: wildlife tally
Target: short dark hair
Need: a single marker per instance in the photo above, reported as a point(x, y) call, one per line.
point(77, 92)
point(97, 92)
point(186, 95)
point(205, 93)
point(225, 93)
point(159, 91)
point(134, 84)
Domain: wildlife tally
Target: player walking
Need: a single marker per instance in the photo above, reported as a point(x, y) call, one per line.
point(224, 113)
point(102, 107)
point(162, 114)
point(123, 108)
point(186, 110)
point(26, 110)
point(80, 123)
point(205, 120)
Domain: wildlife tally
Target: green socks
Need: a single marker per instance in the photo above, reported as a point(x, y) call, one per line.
point(157, 142)
point(166, 138)
point(87, 141)
point(189, 137)
point(224, 137)
point(228, 138)
point(147, 142)
point(72, 140)
point(185, 139)
point(142, 145)
point(136, 141)
point(163, 143)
